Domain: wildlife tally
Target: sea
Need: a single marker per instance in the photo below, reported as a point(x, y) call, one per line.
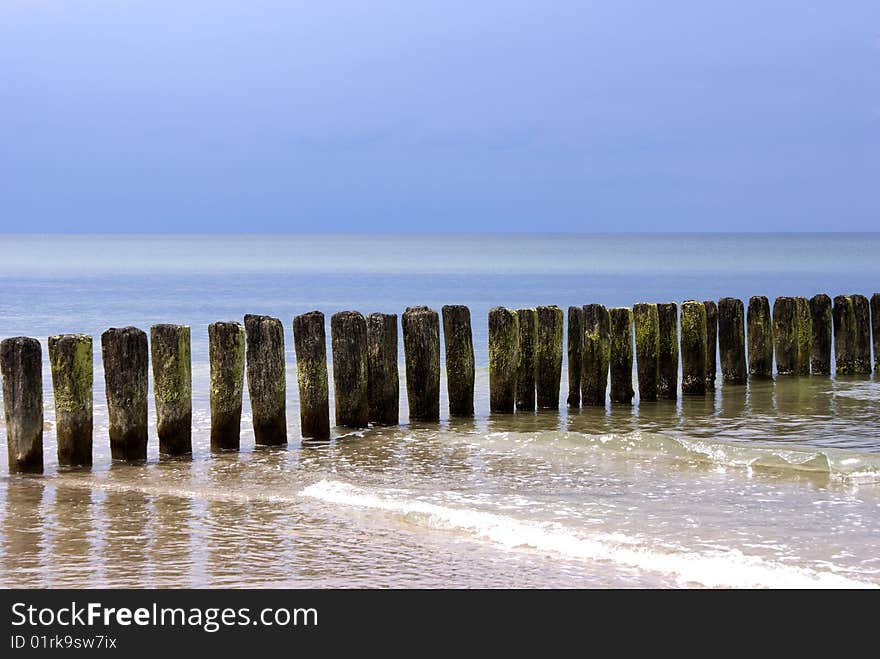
point(772, 484)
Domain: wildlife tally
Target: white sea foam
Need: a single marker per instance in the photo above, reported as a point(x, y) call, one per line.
point(722, 568)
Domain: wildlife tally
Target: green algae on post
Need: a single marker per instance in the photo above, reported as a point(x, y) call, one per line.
point(693, 347)
point(126, 362)
point(310, 346)
point(667, 384)
point(226, 357)
point(548, 356)
point(348, 337)
point(172, 387)
point(460, 371)
point(621, 362)
point(785, 338)
point(875, 328)
point(596, 355)
point(266, 379)
point(383, 379)
point(421, 348)
point(646, 320)
point(21, 367)
point(525, 370)
point(760, 336)
point(503, 358)
point(711, 343)
point(575, 355)
point(732, 340)
point(862, 339)
point(804, 335)
point(821, 333)
point(71, 362)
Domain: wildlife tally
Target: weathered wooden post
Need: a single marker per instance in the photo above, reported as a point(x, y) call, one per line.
point(575, 355)
point(383, 378)
point(862, 346)
point(172, 387)
point(785, 343)
point(226, 357)
point(548, 356)
point(503, 358)
point(875, 328)
point(711, 343)
point(266, 379)
point(525, 370)
point(310, 345)
point(760, 334)
point(647, 325)
point(667, 385)
point(124, 353)
point(732, 340)
point(693, 347)
point(459, 342)
point(621, 354)
point(348, 336)
point(596, 356)
point(804, 334)
point(71, 361)
point(421, 348)
point(820, 349)
point(21, 366)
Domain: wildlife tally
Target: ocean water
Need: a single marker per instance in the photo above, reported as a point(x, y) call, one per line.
point(772, 484)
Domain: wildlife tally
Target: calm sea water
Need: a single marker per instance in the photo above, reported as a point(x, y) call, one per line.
point(773, 484)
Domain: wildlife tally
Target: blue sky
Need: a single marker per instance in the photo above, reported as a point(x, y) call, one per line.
point(388, 116)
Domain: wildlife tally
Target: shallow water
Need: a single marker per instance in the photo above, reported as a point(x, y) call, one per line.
point(773, 484)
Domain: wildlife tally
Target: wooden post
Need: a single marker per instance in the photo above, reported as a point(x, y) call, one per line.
point(862, 346)
point(621, 354)
point(503, 358)
point(667, 386)
point(693, 347)
point(459, 342)
point(575, 355)
point(226, 357)
point(21, 366)
point(711, 343)
point(785, 339)
point(421, 349)
point(732, 340)
point(760, 334)
point(383, 379)
point(266, 379)
point(596, 355)
point(548, 356)
point(875, 328)
point(71, 361)
point(124, 353)
point(172, 387)
point(804, 334)
point(525, 370)
point(310, 345)
point(348, 335)
point(646, 319)
point(821, 323)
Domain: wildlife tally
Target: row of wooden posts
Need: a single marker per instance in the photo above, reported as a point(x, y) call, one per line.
point(525, 367)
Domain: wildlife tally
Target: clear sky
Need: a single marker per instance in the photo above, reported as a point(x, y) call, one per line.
point(409, 116)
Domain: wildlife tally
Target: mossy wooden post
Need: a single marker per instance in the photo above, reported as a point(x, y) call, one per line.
point(862, 345)
point(266, 379)
point(693, 347)
point(71, 362)
point(711, 343)
point(732, 340)
point(646, 319)
point(596, 356)
point(575, 355)
point(525, 370)
point(172, 387)
point(667, 383)
point(621, 354)
point(459, 342)
point(21, 366)
point(844, 319)
point(348, 336)
point(785, 343)
point(383, 379)
point(804, 335)
point(126, 364)
point(820, 334)
point(548, 356)
point(310, 345)
point(503, 358)
point(875, 328)
point(226, 357)
point(760, 336)
point(421, 349)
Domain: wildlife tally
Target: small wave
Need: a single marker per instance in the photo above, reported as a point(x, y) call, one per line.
point(727, 568)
